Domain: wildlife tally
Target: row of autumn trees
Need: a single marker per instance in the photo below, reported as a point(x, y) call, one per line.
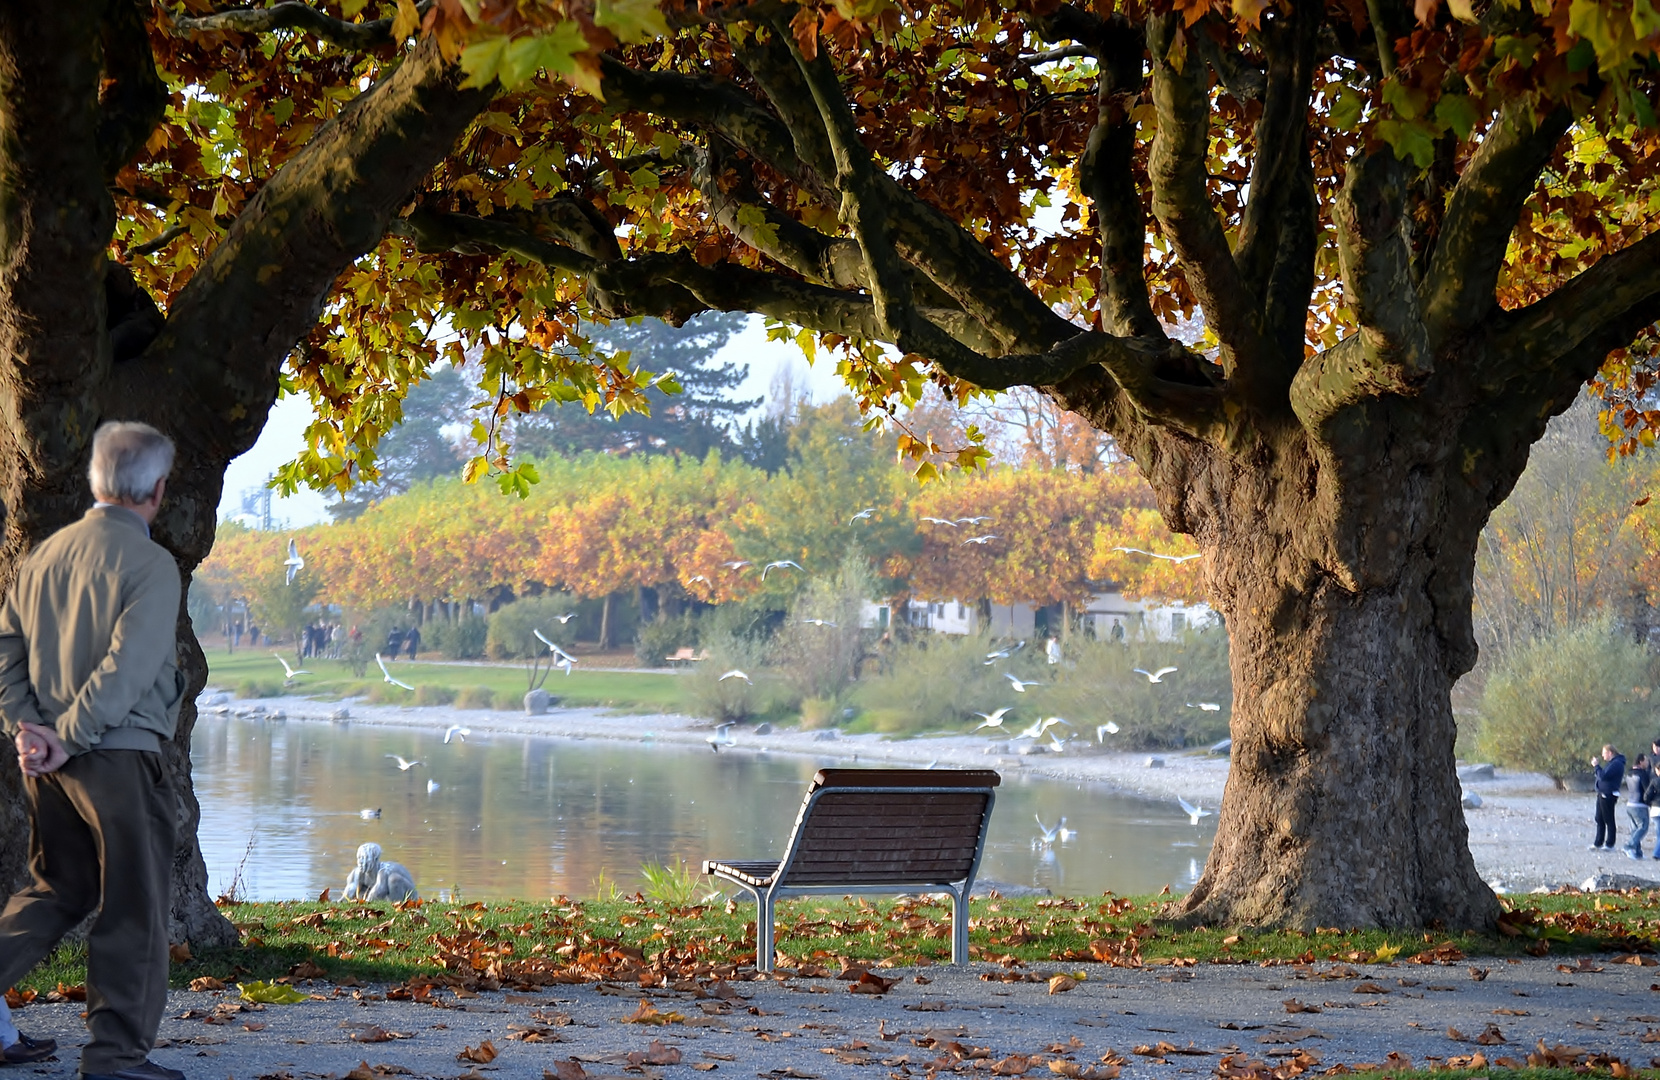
point(598, 525)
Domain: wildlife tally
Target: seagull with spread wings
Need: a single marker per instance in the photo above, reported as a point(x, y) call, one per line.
point(1156, 555)
point(294, 563)
point(1154, 676)
point(1103, 730)
point(1018, 683)
point(404, 765)
point(736, 674)
point(781, 564)
point(387, 675)
point(982, 541)
point(947, 522)
point(994, 719)
point(456, 731)
point(863, 515)
point(1194, 813)
point(288, 672)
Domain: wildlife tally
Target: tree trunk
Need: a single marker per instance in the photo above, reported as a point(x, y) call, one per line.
point(605, 622)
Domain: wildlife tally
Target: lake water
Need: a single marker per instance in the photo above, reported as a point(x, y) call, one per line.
point(517, 816)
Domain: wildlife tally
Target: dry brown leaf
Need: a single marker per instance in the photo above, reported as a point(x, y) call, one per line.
point(869, 983)
point(374, 1033)
point(305, 969)
point(1292, 1005)
point(1457, 1036)
point(1371, 988)
point(1492, 1036)
point(482, 1054)
point(206, 982)
point(646, 1013)
point(1511, 1012)
point(705, 1066)
point(179, 954)
point(655, 1054)
point(566, 1070)
point(1013, 1065)
point(1060, 984)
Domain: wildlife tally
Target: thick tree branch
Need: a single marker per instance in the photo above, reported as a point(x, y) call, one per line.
point(1281, 138)
point(1239, 77)
point(261, 290)
point(1573, 330)
point(295, 15)
point(1457, 291)
point(132, 99)
point(1106, 174)
point(435, 230)
point(1390, 351)
point(1176, 168)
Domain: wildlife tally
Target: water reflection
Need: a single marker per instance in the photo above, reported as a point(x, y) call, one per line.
point(282, 804)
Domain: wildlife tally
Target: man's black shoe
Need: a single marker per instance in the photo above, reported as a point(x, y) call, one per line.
point(25, 1050)
point(148, 1070)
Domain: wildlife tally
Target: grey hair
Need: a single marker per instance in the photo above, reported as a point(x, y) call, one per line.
point(128, 460)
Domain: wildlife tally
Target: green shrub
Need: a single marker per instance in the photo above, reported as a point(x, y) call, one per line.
point(938, 681)
point(259, 688)
point(821, 645)
point(658, 639)
point(475, 697)
point(1550, 705)
point(382, 693)
point(463, 639)
point(430, 694)
point(509, 635)
point(1098, 683)
point(729, 700)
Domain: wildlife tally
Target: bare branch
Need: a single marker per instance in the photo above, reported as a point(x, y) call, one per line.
point(295, 15)
point(132, 98)
point(1049, 56)
point(263, 287)
point(1182, 205)
point(1241, 78)
point(1457, 291)
point(1572, 330)
point(1106, 174)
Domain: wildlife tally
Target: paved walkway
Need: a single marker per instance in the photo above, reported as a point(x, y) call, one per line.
point(949, 1017)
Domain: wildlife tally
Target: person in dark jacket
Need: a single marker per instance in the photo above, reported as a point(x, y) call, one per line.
point(1609, 774)
point(1639, 786)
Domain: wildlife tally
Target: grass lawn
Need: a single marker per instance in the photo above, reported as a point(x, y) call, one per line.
point(582, 940)
point(256, 673)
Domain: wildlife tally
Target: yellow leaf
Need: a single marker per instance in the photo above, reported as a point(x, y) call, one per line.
point(406, 21)
point(265, 993)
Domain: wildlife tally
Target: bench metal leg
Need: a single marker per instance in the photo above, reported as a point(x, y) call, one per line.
point(959, 925)
point(763, 930)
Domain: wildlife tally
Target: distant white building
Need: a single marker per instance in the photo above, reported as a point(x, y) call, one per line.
point(1105, 616)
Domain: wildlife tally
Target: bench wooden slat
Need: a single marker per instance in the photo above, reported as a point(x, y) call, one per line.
point(936, 778)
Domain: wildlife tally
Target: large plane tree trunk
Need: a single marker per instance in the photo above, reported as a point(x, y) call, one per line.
point(79, 344)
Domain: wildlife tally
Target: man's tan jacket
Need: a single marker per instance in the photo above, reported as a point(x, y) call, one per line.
point(88, 635)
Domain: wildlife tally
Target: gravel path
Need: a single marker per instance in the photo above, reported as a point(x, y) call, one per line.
point(815, 1027)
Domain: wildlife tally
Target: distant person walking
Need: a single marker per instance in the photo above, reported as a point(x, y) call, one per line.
point(1638, 786)
point(89, 688)
point(394, 642)
point(1609, 773)
point(412, 640)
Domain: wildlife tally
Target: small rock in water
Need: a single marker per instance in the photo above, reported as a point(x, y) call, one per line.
point(763, 728)
point(1029, 749)
point(1223, 747)
point(1471, 800)
point(276, 714)
point(1475, 772)
point(1154, 763)
point(206, 701)
point(827, 735)
point(432, 786)
point(536, 702)
point(340, 714)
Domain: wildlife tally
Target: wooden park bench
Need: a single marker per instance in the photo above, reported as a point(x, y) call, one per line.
point(686, 655)
point(876, 831)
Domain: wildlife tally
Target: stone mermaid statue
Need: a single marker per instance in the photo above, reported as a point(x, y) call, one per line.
point(372, 879)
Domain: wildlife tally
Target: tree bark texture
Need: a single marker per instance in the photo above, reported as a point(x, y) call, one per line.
point(210, 377)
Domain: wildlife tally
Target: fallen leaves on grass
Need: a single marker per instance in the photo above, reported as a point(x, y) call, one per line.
point(482, 1054)
point(179, 954)
point(305, 969)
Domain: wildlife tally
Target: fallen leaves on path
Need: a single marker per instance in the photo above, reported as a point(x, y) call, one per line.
point(647, 1013)
point(482, 1054)
point(870, 983)
point(207, 982)
point(655, 1054)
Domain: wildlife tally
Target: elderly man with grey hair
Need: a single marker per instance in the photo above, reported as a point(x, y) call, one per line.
point(89, 689)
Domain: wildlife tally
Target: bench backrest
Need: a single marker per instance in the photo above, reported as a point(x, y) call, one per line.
point(890, 826)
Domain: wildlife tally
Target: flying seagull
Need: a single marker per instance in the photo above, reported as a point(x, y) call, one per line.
point(972, 520)
point(736, 564)
point(862, 515)
point(1005, 652)
point(404, 765)
point(992, 719)
point(698, 577)
point(432, 786)
point(941, 521)
point(779, 565)
point(1038, 727)
point(388, 675)
point(1019, 684)
point(369, 814)
point(1049, 835)
point(565, 618)
point(1154, 676)
point(736, 674)
point(456, 731)
point(1194, 813)
point(721, 737)
point(1207, 706)
point(1055, 743)
point(1166, 558)
point(819, 622)
point(981, 540)
point(1067, 835)
point(288, 672)
point(562, 658)
point(1103, 730)
point(294, 563)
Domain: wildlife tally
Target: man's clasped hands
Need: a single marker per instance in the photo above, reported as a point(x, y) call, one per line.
point(39, 750)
